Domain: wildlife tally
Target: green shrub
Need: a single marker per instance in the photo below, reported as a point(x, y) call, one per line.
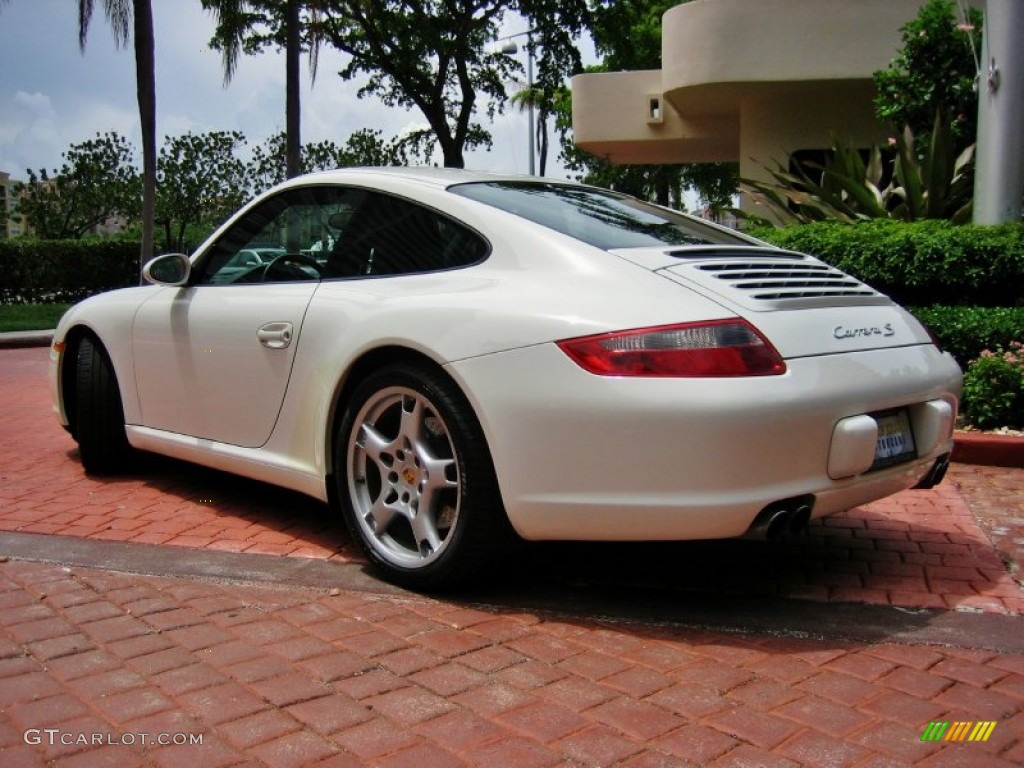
point(919, 263)
point(994, 389)
point(64, 271)
point(966, 331)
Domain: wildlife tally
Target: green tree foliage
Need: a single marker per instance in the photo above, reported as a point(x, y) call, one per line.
point(365, 147)
point(430, 55)
point(627, 33)
point(201, 180)
point(934, 72)
point(96, 182)
point(434, 56)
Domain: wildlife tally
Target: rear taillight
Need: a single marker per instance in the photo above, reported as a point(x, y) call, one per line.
point(715, 348)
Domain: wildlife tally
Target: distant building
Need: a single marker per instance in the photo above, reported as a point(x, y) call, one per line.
point(11, 224)
point(15, 224)
point(747, 82)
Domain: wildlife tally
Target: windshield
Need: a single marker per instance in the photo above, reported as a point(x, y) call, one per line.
point(604, 219)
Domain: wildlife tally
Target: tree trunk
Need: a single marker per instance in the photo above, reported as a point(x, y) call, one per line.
point(453, 156)
point(542, 141)
point(451, 149)
point(145, 79)
point(293, 141)
point(661, 189)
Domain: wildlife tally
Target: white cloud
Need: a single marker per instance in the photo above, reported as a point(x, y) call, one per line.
point(106, 117)
point(30, 123)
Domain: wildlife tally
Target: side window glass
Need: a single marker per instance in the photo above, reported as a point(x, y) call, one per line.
point(286, 238)
point(386, 235)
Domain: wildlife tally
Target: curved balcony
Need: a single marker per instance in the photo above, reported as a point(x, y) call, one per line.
point(740, 78)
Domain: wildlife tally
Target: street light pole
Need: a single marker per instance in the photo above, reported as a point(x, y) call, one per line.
point(510, 47)
point(529, 85)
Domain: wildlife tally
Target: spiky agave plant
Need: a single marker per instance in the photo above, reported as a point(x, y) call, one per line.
point(850, 187)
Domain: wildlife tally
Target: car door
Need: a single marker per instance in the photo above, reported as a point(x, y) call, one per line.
point(213, 358)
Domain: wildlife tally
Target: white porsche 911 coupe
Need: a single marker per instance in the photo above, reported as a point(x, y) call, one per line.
point(455, 359)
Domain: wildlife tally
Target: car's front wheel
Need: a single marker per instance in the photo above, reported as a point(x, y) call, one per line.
point(99, 415)
point(416, 480)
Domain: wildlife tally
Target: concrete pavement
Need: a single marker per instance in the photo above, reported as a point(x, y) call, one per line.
point(189, 605)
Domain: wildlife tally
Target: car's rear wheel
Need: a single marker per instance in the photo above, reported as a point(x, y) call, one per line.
point(99, 415)
point(416, 480)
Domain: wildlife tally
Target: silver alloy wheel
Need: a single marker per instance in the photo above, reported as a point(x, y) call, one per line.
point(403, 477)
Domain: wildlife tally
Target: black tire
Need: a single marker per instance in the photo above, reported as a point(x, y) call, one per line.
point(99, 415)
point(416, 482)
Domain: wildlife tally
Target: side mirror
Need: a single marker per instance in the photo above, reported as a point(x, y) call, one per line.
point(169, 269)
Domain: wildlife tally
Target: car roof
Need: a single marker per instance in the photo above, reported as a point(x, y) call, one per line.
point(427, 175)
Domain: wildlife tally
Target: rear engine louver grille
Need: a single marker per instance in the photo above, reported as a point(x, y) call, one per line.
point(774, 281)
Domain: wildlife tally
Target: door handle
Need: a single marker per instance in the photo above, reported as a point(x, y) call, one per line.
point(275, 335)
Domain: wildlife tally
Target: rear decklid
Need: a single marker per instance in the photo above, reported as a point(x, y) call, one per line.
point(803, 305)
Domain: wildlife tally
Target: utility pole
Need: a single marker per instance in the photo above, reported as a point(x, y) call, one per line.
point(509, 48)
point(999, 173)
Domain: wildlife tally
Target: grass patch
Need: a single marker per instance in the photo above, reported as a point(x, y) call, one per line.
point(30, 317)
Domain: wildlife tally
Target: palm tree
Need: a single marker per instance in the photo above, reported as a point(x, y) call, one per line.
point(234, 19)
point(134, 18)
point(527, 100)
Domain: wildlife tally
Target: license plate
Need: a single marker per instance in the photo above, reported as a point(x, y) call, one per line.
point(895, 439)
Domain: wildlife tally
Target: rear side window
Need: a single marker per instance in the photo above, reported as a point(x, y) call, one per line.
point(600, 218)
point(386, 235)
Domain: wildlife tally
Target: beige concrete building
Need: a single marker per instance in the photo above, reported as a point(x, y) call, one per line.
point(11, 223)
point(748, 81)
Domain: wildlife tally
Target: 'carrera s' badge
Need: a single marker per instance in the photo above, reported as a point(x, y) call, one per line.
point(842, 333)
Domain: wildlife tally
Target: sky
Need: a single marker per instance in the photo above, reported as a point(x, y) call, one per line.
point(53, 95)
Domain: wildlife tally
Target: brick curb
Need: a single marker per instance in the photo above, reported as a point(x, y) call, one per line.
point(14, 339)
point(989, 450)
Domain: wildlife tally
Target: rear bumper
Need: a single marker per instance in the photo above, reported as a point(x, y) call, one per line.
point(584, 457)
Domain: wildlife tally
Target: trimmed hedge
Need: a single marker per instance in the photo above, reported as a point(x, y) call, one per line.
point(64, 271)
point(920, 263)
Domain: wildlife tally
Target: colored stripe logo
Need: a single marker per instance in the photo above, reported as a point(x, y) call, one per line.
point(959, 731)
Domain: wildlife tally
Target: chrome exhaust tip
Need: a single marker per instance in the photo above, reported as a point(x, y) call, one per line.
point(799, 519)
point(935, 475)
point(777, 524)
point(786, 516)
